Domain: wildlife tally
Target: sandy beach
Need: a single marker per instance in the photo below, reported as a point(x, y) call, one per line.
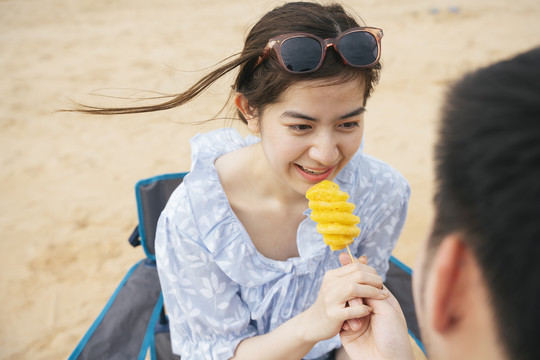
point(67, 180)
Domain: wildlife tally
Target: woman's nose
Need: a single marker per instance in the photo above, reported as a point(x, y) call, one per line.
point(324, 150)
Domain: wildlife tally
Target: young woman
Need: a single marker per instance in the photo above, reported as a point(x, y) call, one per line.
point(243, 270)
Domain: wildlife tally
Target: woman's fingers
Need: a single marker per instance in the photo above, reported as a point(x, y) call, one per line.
point(342, 284)
point(369, 287)
point(343, 292)
point(353, 268)
point(364, 273)
point(354, 324)
point(365, 278)
point(363, 259)
point(355, 302)
point(358, 277)
point(356, 312)
point(365, 291)
point(345, 259)
point(345, 289)
point(349, 267)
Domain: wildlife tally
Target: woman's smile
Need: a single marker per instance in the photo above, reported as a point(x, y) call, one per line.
point(311, 133)
point(314, 174)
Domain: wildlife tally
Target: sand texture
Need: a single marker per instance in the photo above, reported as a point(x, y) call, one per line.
point(67, 199)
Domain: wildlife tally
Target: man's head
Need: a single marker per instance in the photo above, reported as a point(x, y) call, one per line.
point(480, 271)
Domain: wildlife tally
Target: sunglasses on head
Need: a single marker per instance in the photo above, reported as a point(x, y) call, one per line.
point(301, 53)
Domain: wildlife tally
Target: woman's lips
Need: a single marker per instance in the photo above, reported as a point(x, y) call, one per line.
point(314, 175)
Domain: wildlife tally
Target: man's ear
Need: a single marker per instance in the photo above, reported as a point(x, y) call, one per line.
point(454, 271)
point(247, 111)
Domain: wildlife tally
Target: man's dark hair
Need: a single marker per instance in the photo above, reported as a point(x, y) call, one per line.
point(488, 189)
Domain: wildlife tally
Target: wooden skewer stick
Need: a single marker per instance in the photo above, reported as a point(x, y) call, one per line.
point(350, 254)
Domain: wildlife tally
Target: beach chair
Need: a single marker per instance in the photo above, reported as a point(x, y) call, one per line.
point(133, 324)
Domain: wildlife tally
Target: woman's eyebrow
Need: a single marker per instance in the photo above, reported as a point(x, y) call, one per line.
point(298, 115)
point(356, 112)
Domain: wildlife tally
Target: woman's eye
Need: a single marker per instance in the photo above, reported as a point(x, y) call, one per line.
point(299, 127)
point(350, 124)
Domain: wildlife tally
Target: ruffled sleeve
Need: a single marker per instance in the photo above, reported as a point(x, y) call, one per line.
point(206, 315)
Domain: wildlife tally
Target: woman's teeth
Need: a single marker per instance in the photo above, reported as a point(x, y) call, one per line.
point(312, 171)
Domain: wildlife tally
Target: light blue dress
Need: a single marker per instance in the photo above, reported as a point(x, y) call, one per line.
point(218, 289)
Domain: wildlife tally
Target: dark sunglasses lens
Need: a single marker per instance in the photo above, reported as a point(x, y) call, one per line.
point(359, 48)
point(301, 54)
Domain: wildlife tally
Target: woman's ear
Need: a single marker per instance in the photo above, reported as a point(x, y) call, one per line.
point(247, 111)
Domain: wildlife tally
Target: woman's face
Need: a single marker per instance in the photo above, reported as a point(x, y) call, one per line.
point(313, 132)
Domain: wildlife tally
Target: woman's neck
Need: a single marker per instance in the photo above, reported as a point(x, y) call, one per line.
point(270, 214)
point(246, 171)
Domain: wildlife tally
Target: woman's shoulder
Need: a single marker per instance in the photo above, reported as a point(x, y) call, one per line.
point(365, 168)
point(384, 171)
point(199, 207)
point(198, 214)
point(202, 188)
point(218, 142)
point(366, 174)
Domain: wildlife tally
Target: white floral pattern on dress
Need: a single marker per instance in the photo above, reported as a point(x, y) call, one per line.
point(218, 289)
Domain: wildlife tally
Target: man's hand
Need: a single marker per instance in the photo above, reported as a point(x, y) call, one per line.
point(381, 335)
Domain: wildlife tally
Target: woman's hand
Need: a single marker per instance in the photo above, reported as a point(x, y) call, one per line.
point(381, 335)
point(325, 318)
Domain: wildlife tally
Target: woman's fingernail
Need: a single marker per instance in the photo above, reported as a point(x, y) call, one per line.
point(385, 293)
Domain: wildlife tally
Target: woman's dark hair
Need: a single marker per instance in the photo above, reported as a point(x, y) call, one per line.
point(262, 85)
